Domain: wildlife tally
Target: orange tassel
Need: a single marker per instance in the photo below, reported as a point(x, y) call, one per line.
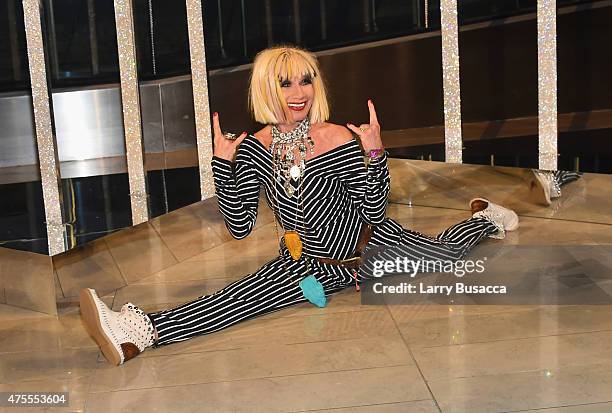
point(294, 244)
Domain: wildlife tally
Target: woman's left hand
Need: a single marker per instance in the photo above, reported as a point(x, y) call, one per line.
point(369, 133)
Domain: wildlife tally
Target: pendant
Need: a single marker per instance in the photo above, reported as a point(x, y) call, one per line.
point(289, 189)
point(311, 143)
point(295, 172)
point(294, 244)
point(313, 291)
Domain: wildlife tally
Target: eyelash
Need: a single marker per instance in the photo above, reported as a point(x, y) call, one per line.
point(303, 82)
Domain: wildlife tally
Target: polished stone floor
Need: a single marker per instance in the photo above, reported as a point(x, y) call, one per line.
point(346, 357)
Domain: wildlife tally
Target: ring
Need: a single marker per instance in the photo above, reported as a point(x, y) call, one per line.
point(230, 136)
point(362, 129)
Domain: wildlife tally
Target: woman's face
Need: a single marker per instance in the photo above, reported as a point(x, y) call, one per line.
point(299, 95)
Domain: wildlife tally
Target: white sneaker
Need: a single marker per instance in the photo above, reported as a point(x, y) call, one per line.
point(121, 335)
point(503, 218)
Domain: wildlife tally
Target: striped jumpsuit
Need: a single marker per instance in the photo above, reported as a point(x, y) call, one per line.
point(335, 196)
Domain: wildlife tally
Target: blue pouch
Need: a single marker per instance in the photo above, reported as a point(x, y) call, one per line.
point(313, 291)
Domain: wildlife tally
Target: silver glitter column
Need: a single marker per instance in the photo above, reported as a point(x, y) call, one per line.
point(200, 95)
point(547, 84)
point(450, 83)
point(43, 124)
point(130, 102)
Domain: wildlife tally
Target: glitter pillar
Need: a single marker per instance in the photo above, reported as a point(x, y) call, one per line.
point(547, 84)
point(450, 81)
point(200, 95)
point(130, 102)
point(43, 125)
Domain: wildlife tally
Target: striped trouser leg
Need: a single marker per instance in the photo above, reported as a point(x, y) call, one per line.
point(564, 177)
point(264, 291)
point(450, 245)
point(460, 238)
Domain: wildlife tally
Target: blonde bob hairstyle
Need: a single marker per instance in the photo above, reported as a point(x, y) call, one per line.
point(273, 66)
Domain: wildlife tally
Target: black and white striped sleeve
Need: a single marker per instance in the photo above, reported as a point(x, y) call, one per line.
point(378, 185)
point(368, 187)
point(237, 189)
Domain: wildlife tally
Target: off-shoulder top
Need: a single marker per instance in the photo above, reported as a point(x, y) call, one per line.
point(336, 194)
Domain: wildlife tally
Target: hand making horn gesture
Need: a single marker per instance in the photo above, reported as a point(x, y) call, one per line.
point(369, 134)
point(225, 144)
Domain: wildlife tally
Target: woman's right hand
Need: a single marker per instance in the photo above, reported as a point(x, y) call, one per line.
point(225, 148)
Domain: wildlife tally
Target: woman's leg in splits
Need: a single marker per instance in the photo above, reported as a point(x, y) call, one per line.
point(391, 241)
point(266, 290)
point(125, 334)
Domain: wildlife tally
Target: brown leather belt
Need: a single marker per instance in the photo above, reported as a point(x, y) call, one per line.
point(355, 261)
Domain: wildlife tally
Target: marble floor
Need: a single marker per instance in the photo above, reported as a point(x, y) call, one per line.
point(347, 357)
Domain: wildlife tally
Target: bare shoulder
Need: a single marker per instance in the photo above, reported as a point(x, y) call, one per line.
point(264, 136)
point(335, 135)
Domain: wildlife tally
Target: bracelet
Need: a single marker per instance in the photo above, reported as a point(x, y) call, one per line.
point(375, 153)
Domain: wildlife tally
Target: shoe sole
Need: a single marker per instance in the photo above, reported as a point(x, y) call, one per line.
point(537, 193)
point(514, 221)
point(91, 318)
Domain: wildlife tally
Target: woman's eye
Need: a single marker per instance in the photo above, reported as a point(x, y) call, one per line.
point(306, 81)
point(285, 83)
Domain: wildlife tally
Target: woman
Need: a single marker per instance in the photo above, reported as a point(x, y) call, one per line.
point(326, 200)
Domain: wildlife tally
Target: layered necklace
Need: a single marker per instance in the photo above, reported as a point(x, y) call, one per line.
point(290, 170)
point(284, 147)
